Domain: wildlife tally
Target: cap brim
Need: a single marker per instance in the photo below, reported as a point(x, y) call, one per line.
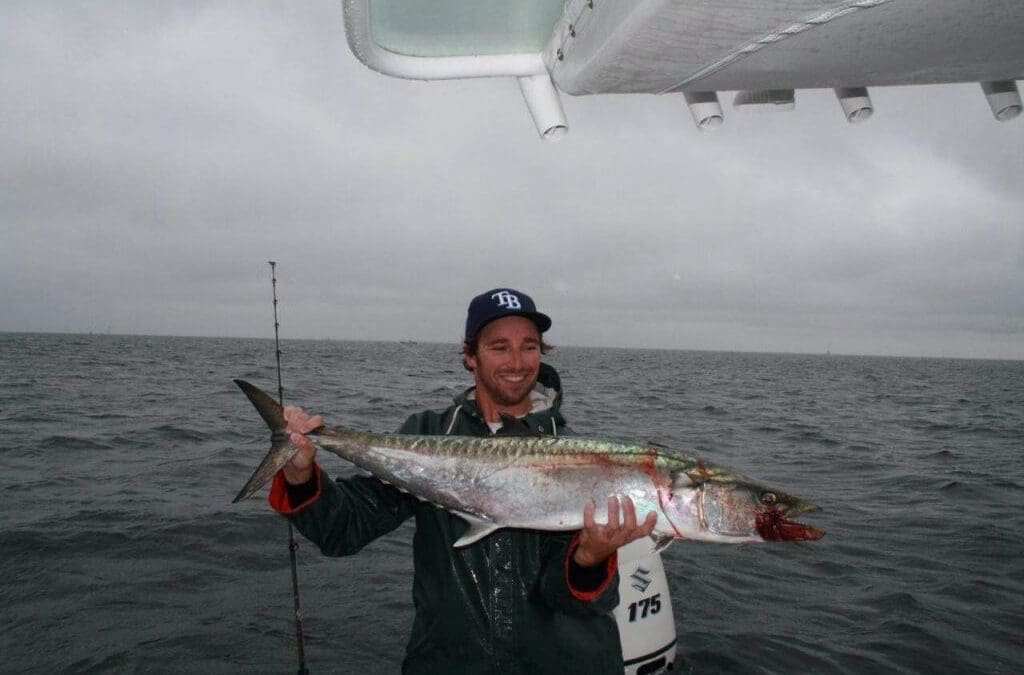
point(542, 321)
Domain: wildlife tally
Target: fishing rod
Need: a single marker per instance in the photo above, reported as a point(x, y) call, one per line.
point(293, 544)
point(421, 357)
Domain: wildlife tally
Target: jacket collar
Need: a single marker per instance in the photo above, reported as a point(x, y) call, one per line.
point(546, 397)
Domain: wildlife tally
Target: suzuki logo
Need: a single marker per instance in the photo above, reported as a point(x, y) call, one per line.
point(641, 579)
point(507, 300)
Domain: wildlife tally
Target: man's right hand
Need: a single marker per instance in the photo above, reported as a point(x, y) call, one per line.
point(299, 469)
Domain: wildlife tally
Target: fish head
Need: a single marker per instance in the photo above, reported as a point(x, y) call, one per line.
point(731, 510)
point(773, 524)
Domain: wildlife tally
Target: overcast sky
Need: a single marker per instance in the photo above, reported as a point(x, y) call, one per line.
point(154, 156)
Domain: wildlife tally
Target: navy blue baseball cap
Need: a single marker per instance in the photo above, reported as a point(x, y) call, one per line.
point(500, 302)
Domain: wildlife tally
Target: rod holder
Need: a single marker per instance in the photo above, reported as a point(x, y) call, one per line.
point(705, 108)
point(856, 104)
point(782, 100)
point(1003, 98)
point(545, 106)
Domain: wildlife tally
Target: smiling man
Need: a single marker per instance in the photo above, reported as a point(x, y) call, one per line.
point(517, 601)
point(502, 349)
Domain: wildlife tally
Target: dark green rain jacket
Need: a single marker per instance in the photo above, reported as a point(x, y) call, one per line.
point(501, 605)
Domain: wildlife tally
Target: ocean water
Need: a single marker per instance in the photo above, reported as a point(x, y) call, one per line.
point(120, 550)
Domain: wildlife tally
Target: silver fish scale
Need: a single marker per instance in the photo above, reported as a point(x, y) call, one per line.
point(535, 482)
point(518, 448)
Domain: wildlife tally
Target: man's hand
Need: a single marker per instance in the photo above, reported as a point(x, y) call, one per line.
point(299, 468)
point(598, 542)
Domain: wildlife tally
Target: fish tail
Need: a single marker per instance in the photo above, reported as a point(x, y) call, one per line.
point(281, 449)
point(269, 409)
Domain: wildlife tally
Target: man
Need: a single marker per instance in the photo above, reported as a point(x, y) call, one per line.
point(517, 601)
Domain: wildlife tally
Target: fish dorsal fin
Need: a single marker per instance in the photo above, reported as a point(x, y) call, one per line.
point(681, 480)
point(478, 529)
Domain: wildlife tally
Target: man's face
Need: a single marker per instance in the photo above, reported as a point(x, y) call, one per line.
point(507, 362)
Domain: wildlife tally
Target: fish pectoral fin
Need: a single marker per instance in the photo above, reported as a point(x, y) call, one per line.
point(478, 529)
point(661, 543)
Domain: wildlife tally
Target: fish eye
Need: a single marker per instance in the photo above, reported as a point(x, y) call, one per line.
point(768, 498)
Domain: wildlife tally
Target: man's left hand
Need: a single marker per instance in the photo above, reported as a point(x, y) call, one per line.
point(598, 542)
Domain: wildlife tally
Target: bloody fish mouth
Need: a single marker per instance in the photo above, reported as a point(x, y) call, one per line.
point(772, 525)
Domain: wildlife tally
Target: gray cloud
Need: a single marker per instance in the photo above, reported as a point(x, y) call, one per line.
point(154, 156)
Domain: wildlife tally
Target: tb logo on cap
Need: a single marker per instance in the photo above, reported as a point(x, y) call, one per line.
point(507, 300)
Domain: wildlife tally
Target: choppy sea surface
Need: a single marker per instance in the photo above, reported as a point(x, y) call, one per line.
point(120, 550)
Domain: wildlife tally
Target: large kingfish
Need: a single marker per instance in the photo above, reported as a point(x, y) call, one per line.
point(543, 482)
